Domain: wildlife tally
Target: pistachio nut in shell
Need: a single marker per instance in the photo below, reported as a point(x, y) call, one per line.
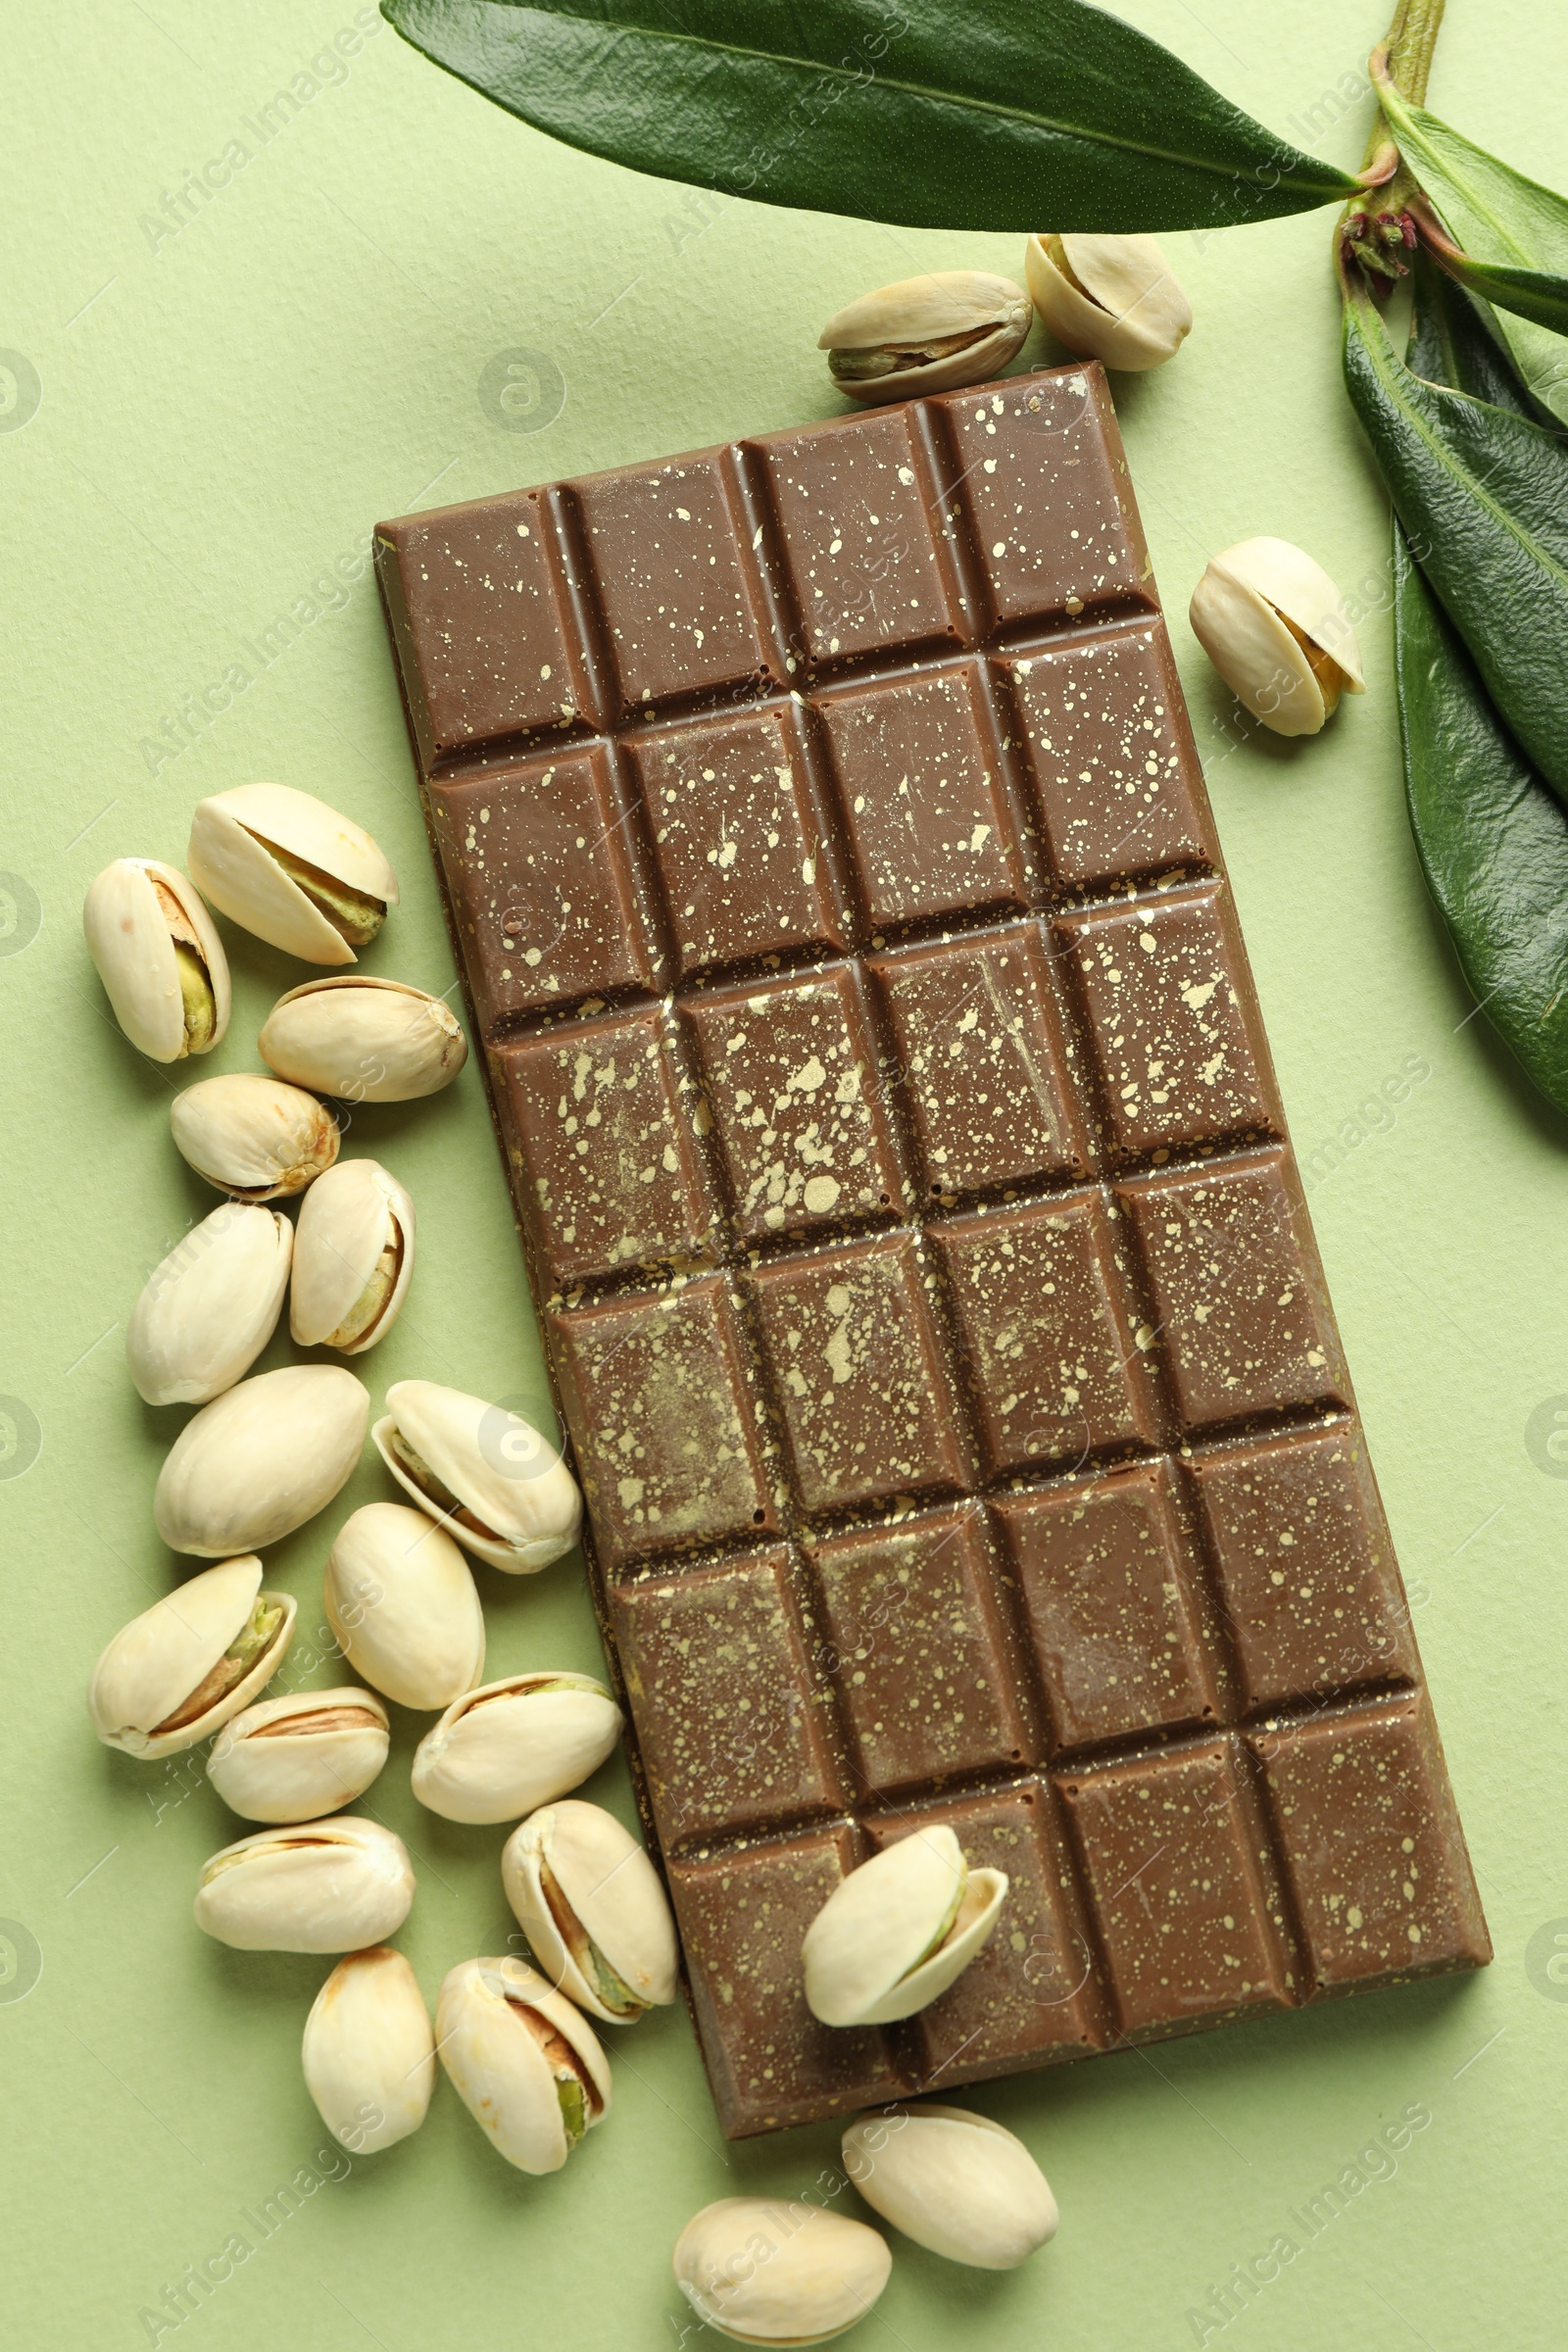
point(158, 958)
point(206, 1313)
point(763, 2271)
point(899, 1930)
point(291, 870)
point(261, 1459)
point(483, 1471)
point(401, 1600)
point(253, 1137)
point(594, 1910)
point(177, 1672)
point(353, 1259)
point(364, 1040)
point(957, 2183)
point(318, 1887)
point(1275, 627)
point(926, 335)
point(369, 2053)
point(1112, 299)
point(297, 1758)
point(511, 1747)
point(526, 2064)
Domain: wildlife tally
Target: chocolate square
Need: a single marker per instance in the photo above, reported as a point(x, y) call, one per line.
point(1058, 1371)
point(1366, 1818)
point(1312, 1596)
point(923, 1658)
point(741, 845)
point(1188, 1916)
point(602, 1115)
point(860, 1374)
point(984, 1060)
point(544, 888)
point(679, 616)
point(792, 1076)
point(920, 781)
point(867, 568)
point(1107, 742)
point(662, 1406)
point(1245, 1321)
point(1110, 1608)
point(1181, 1062)
point(740, 1727)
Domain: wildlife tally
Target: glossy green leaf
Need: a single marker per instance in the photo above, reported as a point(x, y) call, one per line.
point(1491, 838)
point(1455, 340)
point(990, 115)
point(1512, 234)
point(1484, 494)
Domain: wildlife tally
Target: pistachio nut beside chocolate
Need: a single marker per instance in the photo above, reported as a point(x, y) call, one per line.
point(332, 1885)
point(763, 2271)
point(261, 1459)
point(594, 1910)
point(955, 2182)
point(364, 1040)
point(353, 1259)
point(291, 870)
point(253, 1137)
point(524, 2062)
point(369, 2051)
point(402, 1601)
point(158, 958)
point(926, 335)
point(204, 1314)
point(297, 1758)
point(487, 1474)
point(512, 1746)
point(1112, 299)
point(895, 1933)
point(1276, 628)
point(176, 1673)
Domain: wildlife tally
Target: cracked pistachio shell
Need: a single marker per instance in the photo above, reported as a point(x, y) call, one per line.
point(327, 894)
point(401, 1600)
point(957, 2183)
point(353, 1259)
point(899, 1930)
point(510, 1746)
point(319, 1887)
point(167, 1657)
point(253, 1137)
point(1275, 627)
point(1112, 299)
point(527, 2065)
point(138, 915)
point(926, 335)
point(485, 1473)
point(206, 1313)
point(364, 1040)
point(594, 1910)
point(766, 2271)
point(296, 1758)
point(261, 1459)
point(369, 2053)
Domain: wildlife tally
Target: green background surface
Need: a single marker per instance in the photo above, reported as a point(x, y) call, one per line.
point(225, 410)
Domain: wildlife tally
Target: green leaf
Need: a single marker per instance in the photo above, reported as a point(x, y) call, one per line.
point(1455, 340)
point(997, 114)
point(1491, 840)
point(1513, 236)
point(1482, 494)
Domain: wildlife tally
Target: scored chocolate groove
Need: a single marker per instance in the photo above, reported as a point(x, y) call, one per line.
point(927, 1287)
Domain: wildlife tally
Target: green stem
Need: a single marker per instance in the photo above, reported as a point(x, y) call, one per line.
point(1371, 231)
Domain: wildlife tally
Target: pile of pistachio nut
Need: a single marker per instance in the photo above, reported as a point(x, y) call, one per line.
point(263, 1454)
point(1267, 615)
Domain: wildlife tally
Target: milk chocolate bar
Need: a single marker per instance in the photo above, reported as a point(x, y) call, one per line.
point(928, 1288)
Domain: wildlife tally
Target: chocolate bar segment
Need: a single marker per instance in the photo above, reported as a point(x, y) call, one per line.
point(929, 1295)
